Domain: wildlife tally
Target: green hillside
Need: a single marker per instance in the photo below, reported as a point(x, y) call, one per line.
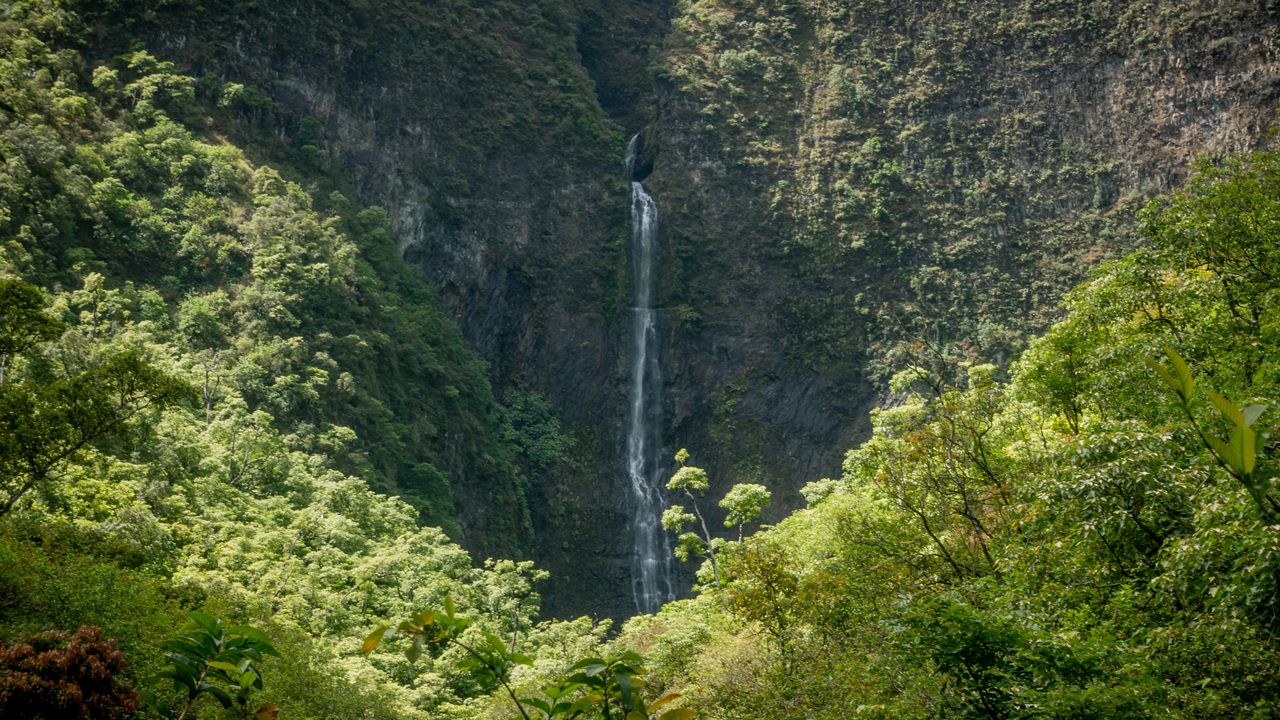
point(329, 387)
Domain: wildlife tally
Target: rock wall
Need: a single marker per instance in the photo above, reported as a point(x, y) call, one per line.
point(853, 186)
point(844, 187)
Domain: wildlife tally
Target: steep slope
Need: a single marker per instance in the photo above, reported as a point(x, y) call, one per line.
point(477, 126)
point(843, 186)
point(851, 186)
point(203, 369)
point(1093, 537)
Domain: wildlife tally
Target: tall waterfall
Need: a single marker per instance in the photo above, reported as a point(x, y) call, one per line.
point(651, 557)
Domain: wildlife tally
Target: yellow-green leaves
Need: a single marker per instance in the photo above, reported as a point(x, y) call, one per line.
point(1238, 453)
point(689, 479)
point(1178, 378)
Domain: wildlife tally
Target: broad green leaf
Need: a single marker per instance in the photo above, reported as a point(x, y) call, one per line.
point(624, 685)
point(1222, 450)
point(415, 649)
point(1183, 372)
point(206, 621)
point(1164, 374)
point(1227, 408)
point(449, 608)
point(226, 667)
point(223, 698)
point(1248, 449)
point(250, 633)
point(586, 702)
point(1252, 413)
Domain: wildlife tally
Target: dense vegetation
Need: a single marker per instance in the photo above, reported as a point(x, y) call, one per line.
point(1086, 535)
point(885, 171)
point(238, 433)
point(207, 372)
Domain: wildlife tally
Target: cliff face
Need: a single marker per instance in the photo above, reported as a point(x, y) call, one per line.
point(493, 134)
point(834, 178)
point(851, 186)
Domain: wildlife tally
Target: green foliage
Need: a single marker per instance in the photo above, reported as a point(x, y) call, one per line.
point(605, 686)
point(1093, 537)
point(1238, 454)
point(221, 662)
point(744, 503)
point(299, 306)
point(23, 320)
point(48, 421)
point(689, 479)
point(145, 261)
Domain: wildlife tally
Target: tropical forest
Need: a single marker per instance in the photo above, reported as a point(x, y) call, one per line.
point(639, 359)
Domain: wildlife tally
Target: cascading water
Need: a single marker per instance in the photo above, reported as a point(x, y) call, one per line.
point(651, 558)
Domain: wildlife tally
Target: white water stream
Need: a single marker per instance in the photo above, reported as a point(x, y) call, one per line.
point(651, 557)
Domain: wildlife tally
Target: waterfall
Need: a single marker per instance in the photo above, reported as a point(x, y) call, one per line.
point(651, 556)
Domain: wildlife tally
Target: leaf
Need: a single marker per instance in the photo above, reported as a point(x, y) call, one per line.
point(226, 667)
point(624, 684)
point(1222, 450)
point(208, 622)
point(1252, 413)
point(636, 715)
point(179, 681)
point(415, 649)
point(679, 714)
point(586, 702)
point(1183, 372)
point(658, 704)
point(254, 634)
point(1248, 449)
point(449, 608)
point(223, 698)
point(1227, 408)
point(1164, 374)
point(374, 638)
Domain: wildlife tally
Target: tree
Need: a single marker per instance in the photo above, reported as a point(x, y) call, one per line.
point(51, 676)
point(745, 502)
point(44, 425)
point(23, 320)
point(690, 480)
point(610, 687)
point(220, 661)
